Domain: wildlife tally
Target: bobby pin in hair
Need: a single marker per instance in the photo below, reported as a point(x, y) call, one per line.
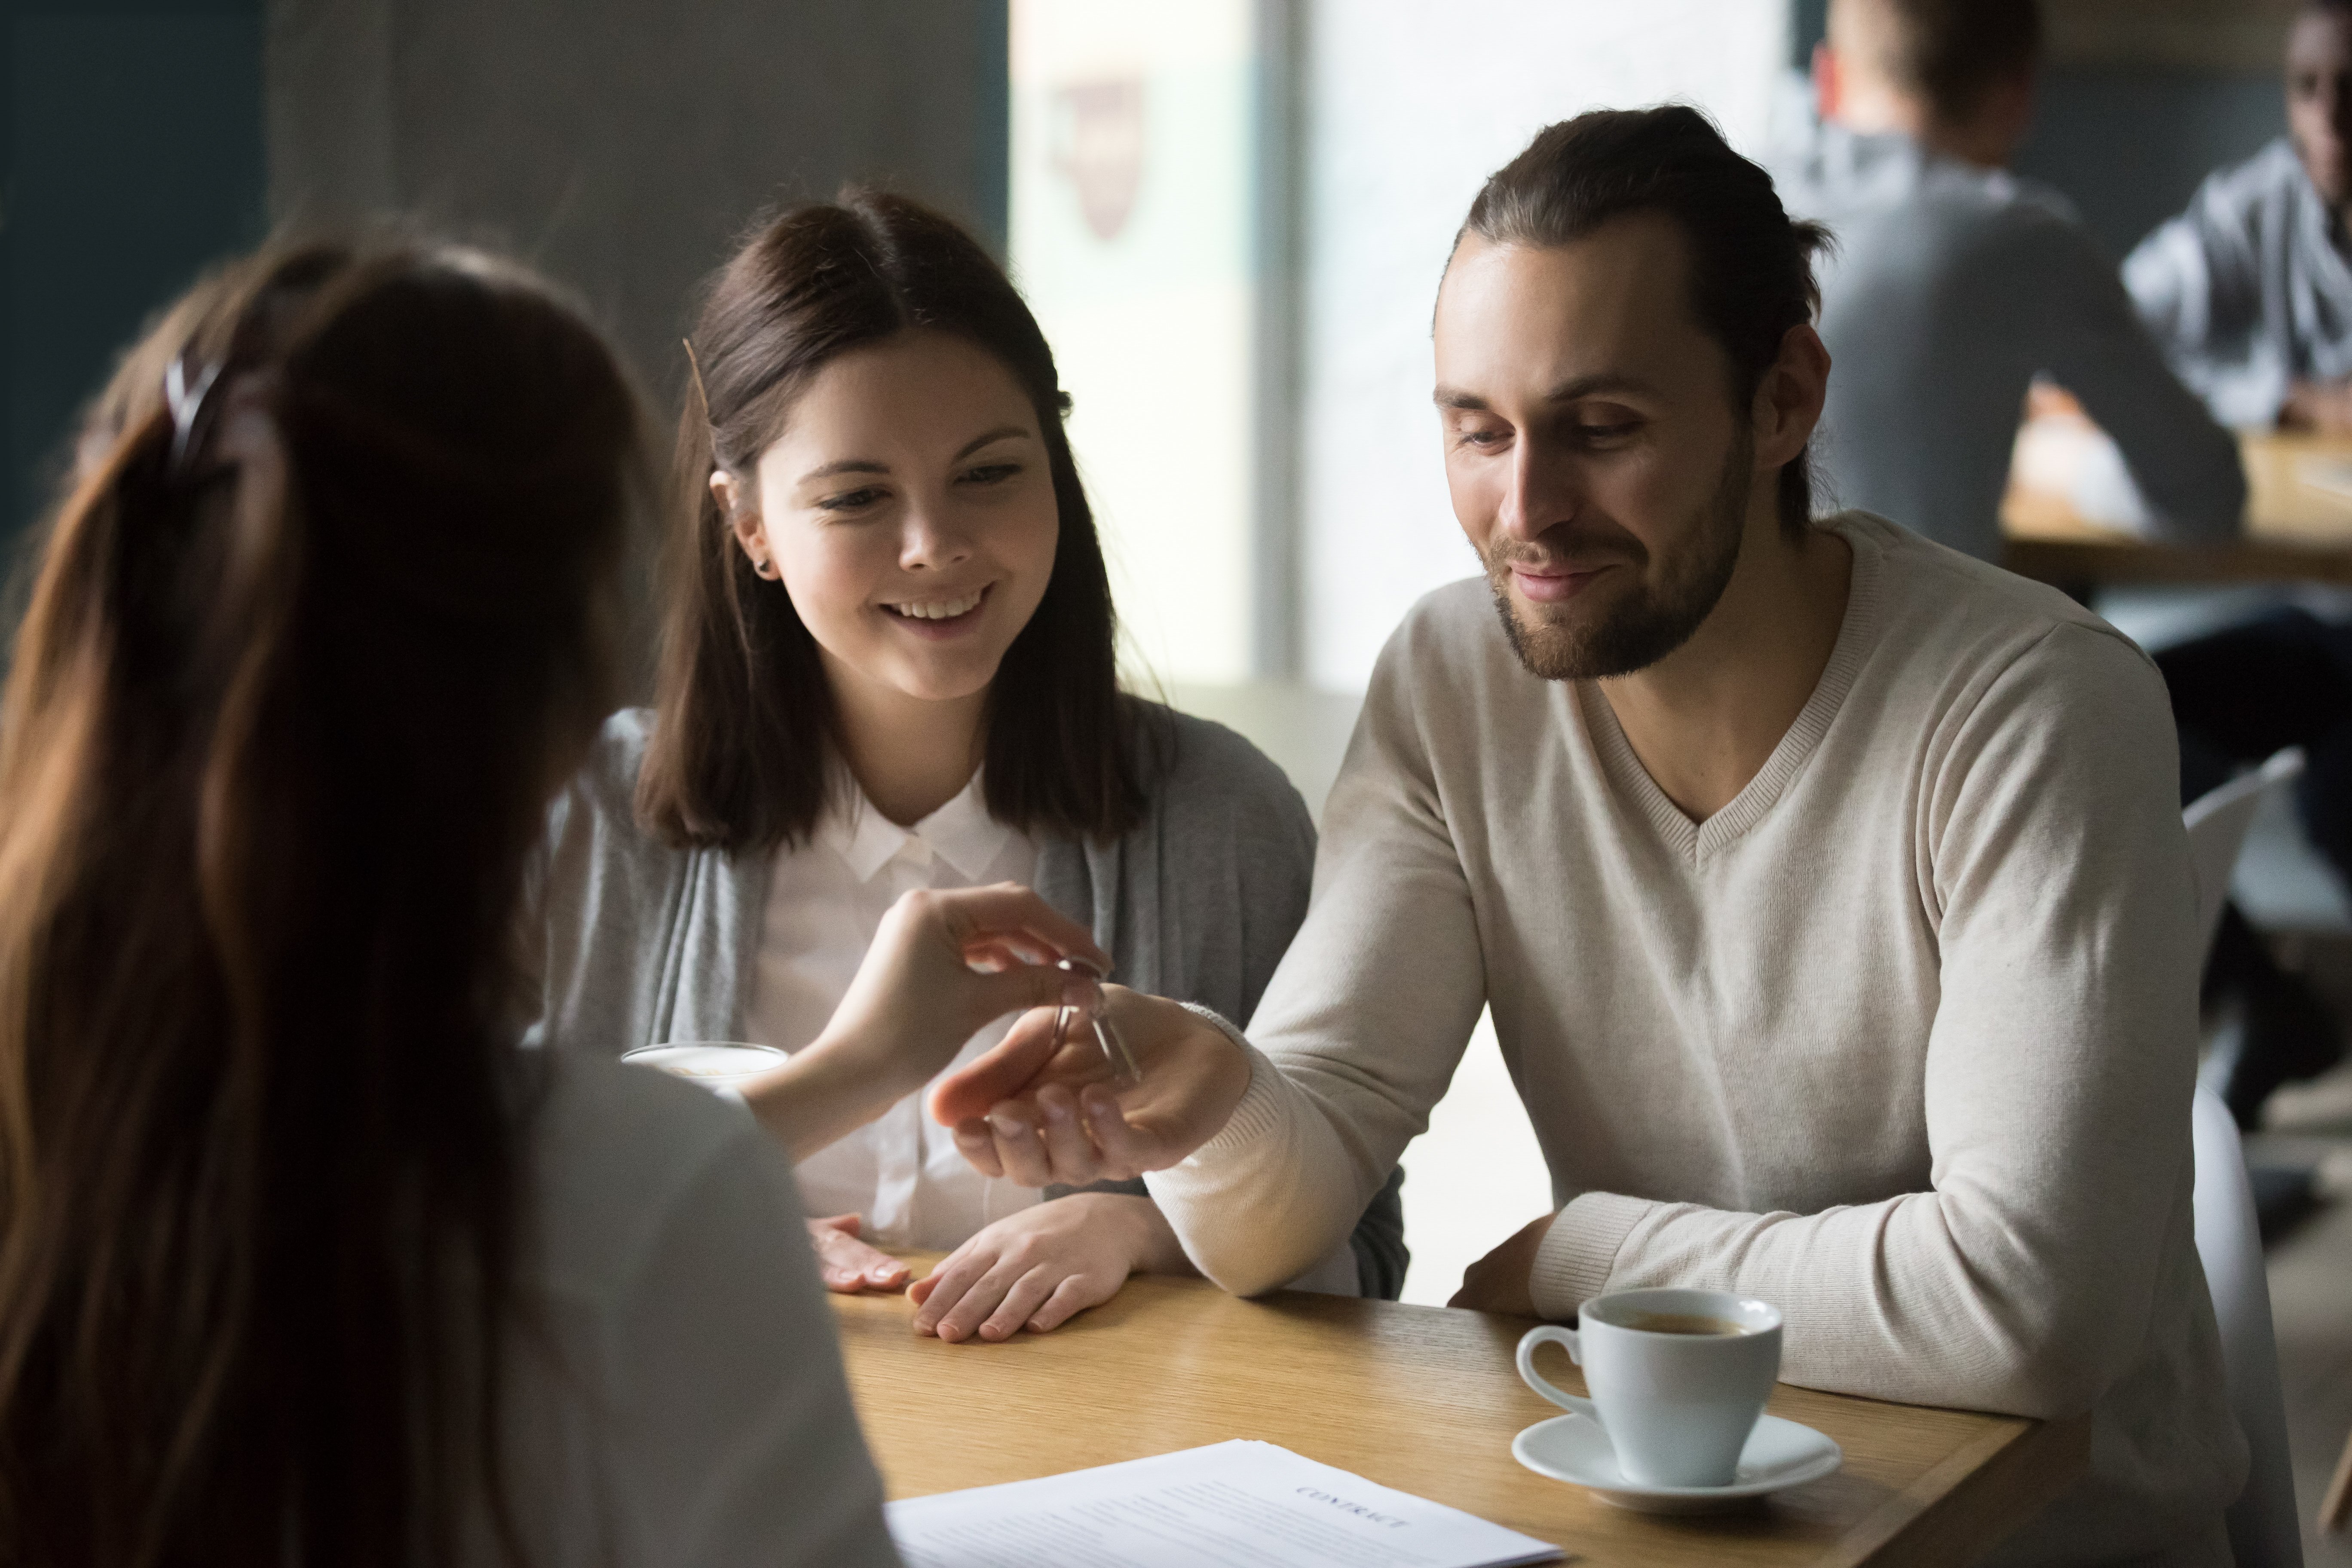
point(186, 403)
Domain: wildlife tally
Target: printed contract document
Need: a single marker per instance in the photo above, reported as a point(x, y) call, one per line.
point(1229, 1505)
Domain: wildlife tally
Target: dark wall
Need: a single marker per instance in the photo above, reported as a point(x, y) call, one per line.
point(2129, 145)
point(622, 145)
point(1808, 21)
point(619, 143)
point(134, 158)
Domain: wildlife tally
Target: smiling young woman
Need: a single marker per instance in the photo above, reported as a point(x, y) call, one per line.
point(888, 665)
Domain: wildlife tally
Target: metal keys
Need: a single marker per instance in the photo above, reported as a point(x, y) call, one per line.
point(1125, 1068)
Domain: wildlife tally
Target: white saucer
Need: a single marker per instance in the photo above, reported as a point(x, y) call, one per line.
point(1779, 1454)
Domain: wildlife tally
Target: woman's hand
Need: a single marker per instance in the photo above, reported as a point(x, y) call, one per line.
point(1038, 1114)
point(942, 964)
point(846, 1263)
point(1504, 1280)
point(1039, 1268)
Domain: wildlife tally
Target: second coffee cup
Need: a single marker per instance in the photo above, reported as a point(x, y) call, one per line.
point(1678, 1378)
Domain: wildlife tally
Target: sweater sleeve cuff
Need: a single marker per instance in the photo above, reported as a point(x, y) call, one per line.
point(1579, 1250)
point(1257, 1112)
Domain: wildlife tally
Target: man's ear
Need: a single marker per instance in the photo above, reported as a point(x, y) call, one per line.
point(1789, 397)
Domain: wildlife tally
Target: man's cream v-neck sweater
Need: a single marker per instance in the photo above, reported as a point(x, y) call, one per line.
point(1901, 1040)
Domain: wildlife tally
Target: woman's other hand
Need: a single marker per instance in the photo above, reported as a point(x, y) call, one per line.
point(1038, 1114)
point(1504, 1280)
point(848, 1265)
point(1039, 1268)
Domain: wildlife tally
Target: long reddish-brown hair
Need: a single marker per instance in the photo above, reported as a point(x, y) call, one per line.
point(745, 724)
point(313, 636)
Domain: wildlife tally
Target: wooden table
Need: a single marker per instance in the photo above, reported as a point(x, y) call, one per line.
point(2295, 529)
point(1421, 1399)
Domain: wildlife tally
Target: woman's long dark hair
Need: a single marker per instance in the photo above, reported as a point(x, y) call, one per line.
point(321, 622)
point(740, 756)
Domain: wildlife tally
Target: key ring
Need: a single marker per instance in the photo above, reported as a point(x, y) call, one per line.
point(1125, 1068)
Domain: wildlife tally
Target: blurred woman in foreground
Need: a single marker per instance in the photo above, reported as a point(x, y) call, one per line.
point(302, 1259)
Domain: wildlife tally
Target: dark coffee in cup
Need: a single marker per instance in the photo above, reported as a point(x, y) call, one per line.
point(1678, 1323)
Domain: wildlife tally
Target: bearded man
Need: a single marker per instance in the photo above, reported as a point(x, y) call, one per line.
point(1828, 886)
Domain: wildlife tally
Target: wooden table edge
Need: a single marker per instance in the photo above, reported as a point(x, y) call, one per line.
point(2026, 1460)
point(2124, 559)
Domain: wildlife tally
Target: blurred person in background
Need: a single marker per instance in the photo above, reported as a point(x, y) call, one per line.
point(1952, 284)
point(2249, 290)
point(890, 664)
point(306, 1259)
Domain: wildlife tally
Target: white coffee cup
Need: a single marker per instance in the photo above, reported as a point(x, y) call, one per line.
point(716, 1065)
point(1678, 1378)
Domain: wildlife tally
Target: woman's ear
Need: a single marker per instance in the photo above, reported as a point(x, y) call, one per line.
point(744, 521)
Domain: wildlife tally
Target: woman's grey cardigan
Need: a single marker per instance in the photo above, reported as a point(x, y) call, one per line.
point(644, 943)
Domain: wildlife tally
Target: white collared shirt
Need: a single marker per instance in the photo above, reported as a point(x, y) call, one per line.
point(826, 900)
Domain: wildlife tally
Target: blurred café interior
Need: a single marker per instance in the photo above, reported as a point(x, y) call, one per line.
point(1229, 219)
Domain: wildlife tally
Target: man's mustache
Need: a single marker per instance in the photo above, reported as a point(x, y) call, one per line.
point(1569, 547)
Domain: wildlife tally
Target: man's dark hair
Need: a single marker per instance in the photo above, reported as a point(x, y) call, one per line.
point(1752, 266)
point(1950, 53)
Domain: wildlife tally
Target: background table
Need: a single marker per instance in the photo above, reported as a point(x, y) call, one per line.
point(1417, 1398)
point(2295, 529)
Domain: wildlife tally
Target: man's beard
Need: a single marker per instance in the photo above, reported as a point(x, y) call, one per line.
point(1638, 633)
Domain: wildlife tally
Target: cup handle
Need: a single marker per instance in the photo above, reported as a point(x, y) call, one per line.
point(1552, 1333)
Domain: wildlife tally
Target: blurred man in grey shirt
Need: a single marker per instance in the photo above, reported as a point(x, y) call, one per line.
point(2250, 289)
point(1955, 284)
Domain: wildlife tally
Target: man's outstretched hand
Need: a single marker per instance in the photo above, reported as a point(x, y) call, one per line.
point(1040, 1115)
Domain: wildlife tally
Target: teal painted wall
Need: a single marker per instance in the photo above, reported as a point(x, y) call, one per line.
point(134, 160)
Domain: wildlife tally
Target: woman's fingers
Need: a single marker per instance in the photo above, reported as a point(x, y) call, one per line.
point(1006, 912)
point(846, 1263)
point(1013, 1313)
point(1019, 988)
point(1071, 1296)
point(977, 1295)
point(945, 1285)
point(1031, 1270)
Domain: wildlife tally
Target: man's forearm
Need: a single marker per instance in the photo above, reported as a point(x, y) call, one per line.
point(1270, 1196)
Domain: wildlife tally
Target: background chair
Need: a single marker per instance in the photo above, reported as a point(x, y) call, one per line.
point(2264, 1532)
point(2217, 823)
